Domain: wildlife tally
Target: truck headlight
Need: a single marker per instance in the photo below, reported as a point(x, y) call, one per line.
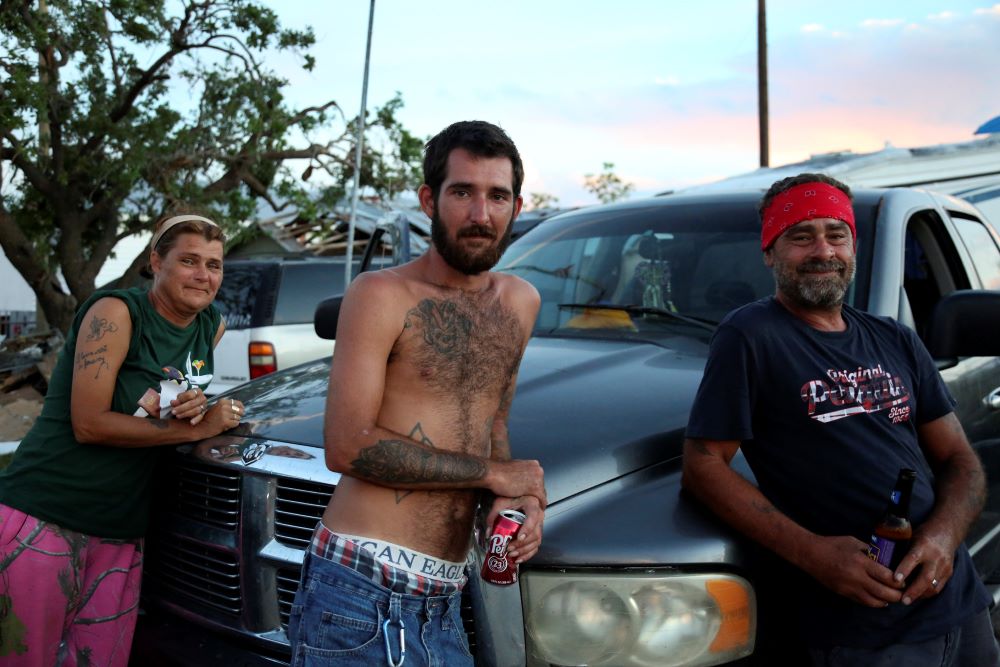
point(649, 619)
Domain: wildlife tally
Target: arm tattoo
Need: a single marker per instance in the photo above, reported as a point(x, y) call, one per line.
point(159, 423)
point(85, 360)
point(397, 461)
point(764, 507)
point(100, 326)
point(699, 447)
point(417, 433)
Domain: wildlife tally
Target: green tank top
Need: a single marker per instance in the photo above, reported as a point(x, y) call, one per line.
point(100, 490)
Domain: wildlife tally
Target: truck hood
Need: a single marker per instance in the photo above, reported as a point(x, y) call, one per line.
point(590, 410)
point(593, 410)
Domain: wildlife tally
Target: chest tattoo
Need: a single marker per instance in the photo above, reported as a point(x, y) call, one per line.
point(470, 343)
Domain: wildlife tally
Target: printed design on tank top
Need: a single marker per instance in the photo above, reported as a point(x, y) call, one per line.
point(845, 393)
point(194, 376)
point(157, 403)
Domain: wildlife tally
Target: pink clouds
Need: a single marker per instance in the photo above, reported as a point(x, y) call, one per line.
point(797, 136)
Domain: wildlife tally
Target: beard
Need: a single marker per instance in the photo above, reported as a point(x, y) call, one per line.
point(467, 261)
point(802, 286)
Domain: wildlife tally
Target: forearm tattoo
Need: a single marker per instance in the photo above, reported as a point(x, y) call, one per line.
point(100, 326)
point(400, 462)
point(85, 360)
point(416, 433)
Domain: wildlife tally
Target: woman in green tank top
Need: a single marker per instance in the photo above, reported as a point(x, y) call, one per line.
point(74, 501)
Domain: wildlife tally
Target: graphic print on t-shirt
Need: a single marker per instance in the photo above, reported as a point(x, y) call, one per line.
point(843, 393)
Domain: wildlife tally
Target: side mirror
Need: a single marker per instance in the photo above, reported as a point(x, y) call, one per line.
point(327, 314)
point(965, 323)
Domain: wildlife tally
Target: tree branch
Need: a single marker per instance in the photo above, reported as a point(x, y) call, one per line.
point(111, 50)
point(35, 176)
point(146, 79)
point(303, 113)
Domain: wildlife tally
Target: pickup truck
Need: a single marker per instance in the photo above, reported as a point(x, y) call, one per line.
point(631, 571)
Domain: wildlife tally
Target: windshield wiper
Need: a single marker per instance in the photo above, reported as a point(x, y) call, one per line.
point(644, 310)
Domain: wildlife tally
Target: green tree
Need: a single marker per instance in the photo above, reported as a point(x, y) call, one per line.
point(114, 111)
point(538, 200)
point(607, 186)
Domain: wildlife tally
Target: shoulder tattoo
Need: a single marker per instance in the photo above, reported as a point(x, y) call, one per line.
point(100, 326)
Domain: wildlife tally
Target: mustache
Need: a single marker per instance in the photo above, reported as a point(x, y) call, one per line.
point(476, 231)
point(818, 266)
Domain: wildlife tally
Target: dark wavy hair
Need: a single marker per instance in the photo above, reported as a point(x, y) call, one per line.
point(479, 138)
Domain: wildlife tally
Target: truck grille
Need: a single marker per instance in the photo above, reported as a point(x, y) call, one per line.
point(288, 582)
point(297, 509)
point(182, 571)
point(208, 494)
point(468, 620)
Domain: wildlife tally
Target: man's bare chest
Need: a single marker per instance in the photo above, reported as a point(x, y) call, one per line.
point(458, 345)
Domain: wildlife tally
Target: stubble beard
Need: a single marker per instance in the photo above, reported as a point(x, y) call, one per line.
point(811, 291)
point(468, 262)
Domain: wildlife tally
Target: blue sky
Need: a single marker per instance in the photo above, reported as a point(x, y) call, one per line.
point(664, 89)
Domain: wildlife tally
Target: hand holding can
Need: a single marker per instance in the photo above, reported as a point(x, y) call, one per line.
point(497, 567)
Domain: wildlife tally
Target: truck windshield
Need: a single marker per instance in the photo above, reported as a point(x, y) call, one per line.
point(644, 269)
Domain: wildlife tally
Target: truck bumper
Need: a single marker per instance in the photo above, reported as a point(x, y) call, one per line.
point(163, 640)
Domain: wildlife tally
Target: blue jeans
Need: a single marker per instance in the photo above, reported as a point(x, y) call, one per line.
point(340, 617)
point(971, 644)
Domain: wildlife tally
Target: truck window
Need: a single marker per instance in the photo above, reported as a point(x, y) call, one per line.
point(238, 293)
point(982, 247)
point(932, 267)
point(303, 286)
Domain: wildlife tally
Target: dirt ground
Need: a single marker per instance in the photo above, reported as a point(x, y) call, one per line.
point(18, 411)
point(27, 364)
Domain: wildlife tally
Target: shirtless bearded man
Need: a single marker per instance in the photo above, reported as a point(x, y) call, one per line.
point(416, 420)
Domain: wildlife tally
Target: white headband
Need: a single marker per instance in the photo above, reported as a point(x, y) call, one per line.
point(176, 220)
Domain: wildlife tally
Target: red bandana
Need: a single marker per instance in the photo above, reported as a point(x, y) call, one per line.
point(807, 201)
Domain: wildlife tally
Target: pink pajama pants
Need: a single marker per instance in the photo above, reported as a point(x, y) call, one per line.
point(66, 599)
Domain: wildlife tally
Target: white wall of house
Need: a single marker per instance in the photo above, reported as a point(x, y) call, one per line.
point(14, 293)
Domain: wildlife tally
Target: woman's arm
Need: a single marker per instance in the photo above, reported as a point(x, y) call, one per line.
point(101, 347)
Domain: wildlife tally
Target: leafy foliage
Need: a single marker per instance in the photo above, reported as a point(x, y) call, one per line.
point(607, 186)
point(540, 200)
point(113, 112)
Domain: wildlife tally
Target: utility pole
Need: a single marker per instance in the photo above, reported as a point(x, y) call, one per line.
point(359, 146)
point(762, 113)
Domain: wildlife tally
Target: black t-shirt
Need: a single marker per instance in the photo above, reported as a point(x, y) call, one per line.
point(826, 420)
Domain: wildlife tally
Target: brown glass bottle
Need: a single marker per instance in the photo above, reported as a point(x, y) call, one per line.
point(891, 537)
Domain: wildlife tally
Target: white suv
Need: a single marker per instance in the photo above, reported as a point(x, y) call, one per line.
point(268, 305)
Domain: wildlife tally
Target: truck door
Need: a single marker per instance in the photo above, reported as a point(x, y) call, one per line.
point(935, 265)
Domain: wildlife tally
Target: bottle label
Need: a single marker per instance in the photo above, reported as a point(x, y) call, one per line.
point(880, 550)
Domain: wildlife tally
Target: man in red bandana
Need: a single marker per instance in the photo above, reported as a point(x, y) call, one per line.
point(828, 404)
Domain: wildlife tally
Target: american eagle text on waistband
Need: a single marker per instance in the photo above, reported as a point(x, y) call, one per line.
point(409, 560)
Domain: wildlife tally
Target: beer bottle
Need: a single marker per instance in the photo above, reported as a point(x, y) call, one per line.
point(891, 537)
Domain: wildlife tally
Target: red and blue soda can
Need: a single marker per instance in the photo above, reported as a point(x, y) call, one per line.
point(497, 568)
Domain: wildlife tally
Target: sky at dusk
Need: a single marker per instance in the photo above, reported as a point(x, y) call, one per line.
point(667, 91)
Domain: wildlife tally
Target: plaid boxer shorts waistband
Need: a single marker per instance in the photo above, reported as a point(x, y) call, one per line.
point(332, 547)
